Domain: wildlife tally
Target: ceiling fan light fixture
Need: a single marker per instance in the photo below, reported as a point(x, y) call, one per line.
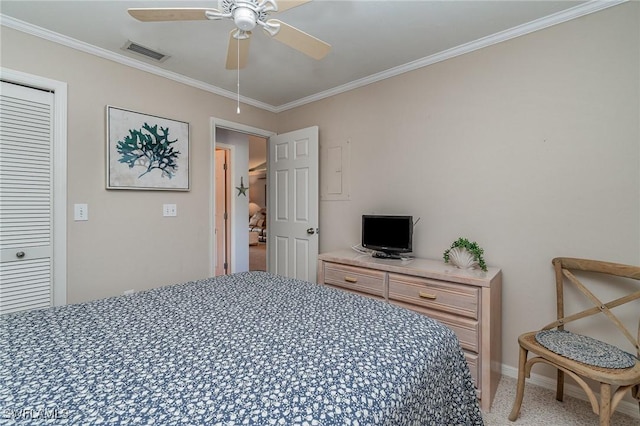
point(214, 15)
point(271, 27)
point(247, 15)
point(268, 6)
point(241, 35)
point(244, 18)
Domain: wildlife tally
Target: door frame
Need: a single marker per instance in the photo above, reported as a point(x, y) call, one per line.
point(59, 219)
point(240, 128)
point(230, 244)
point(226, 150)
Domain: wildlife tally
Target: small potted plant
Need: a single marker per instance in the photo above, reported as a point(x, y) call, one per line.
point(465, 254)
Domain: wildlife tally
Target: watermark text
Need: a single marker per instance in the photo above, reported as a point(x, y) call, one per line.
point(34, 413)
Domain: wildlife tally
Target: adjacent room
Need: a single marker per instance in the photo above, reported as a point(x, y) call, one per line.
point(192, 194)
point(257, 204)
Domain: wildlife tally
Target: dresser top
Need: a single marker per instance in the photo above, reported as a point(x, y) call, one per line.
point(427, 268)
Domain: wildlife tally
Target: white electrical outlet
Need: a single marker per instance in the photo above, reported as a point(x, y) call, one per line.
point(169, 210)
point(127, 292)
point(80, 212)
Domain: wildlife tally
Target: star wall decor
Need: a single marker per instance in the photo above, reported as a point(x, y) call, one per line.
point(242, 190)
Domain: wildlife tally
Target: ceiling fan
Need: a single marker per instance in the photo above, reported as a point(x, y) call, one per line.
point(246, 14)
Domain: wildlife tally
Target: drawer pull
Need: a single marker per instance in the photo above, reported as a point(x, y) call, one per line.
point(429, 296)
point(350, 279)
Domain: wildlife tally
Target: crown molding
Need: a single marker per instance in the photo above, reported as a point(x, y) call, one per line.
point(587, 8)
point(539, 24)
point(52, 36)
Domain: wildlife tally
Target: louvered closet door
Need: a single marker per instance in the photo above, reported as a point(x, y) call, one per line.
point(26, 250)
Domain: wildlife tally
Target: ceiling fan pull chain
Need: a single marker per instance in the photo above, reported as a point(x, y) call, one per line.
point(238, 109)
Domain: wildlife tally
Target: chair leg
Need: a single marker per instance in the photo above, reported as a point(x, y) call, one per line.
point(605, 404)
point(522, 366)
point(560, 386)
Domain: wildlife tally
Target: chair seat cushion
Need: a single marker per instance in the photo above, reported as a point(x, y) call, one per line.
point(585, 349)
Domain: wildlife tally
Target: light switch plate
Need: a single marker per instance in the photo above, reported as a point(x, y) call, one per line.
point(169, 210)
point(80, 212)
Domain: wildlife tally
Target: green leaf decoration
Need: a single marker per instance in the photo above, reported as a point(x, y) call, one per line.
point(149, 148)
point(472, 247)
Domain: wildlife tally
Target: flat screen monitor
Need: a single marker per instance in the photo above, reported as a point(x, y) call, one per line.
point(387, 234)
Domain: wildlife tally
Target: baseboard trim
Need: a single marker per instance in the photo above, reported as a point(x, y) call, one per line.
point(625, 407)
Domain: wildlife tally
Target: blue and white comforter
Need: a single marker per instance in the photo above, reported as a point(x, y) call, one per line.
point(245, 349)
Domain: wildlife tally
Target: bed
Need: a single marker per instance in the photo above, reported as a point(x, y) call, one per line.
point(244, 349)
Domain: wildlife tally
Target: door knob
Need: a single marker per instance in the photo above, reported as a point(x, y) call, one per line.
point(20, 254)
point(310, 231)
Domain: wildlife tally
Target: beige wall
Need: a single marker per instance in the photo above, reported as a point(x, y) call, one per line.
point(530, 147)
point(127, 243)
point(257, 180)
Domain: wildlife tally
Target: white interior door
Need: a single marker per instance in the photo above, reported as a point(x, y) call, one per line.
point(26, 198)
point(292, 231)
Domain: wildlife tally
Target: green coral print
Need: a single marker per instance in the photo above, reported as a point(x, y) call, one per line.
point(149, 148)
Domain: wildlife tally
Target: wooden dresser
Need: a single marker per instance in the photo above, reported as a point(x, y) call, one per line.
point(467, 301)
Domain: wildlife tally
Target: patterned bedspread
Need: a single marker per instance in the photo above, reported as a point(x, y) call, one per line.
point(245, 349)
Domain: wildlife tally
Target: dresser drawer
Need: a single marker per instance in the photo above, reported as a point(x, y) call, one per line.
point(443, 296)
point(354, 278)
point(348, 290)
point(467, 330)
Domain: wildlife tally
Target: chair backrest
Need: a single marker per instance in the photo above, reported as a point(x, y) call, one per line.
point(564, 266)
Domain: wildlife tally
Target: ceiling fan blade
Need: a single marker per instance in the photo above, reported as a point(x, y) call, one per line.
point(170, 14)
point(289, 4)
point(299, 40)
point(232, 51)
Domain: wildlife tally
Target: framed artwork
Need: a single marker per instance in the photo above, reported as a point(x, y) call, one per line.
point(146, 152)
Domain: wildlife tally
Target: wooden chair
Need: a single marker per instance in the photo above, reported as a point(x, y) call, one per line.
point(580, 356)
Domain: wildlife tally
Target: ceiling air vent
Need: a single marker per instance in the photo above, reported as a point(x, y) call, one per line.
point(131, 46)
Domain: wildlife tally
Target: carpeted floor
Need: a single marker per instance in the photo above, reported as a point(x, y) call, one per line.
point(540, 408)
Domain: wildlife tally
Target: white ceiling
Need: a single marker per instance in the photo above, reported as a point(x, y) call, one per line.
point(370, 40)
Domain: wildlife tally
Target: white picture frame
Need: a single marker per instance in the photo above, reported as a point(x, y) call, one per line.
point(146, 152)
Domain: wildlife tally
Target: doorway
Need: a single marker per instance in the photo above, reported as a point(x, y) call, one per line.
point(292, 191)
point(235, 138)
point(258, 208)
